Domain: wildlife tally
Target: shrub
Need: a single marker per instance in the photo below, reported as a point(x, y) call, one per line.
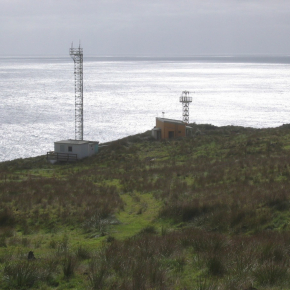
point(271, 274)
point(6, 216)
point(110, 239)
point(62, 246)
point(25, 273)
point(52, 244)
point(215, 266)
point(203, 284)
point(149, 230)
point(97, 274)
point(69, 264)
point(82, 253)
point(3, 242)
point(20, 273)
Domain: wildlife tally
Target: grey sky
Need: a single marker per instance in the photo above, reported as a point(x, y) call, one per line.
point(145, 27)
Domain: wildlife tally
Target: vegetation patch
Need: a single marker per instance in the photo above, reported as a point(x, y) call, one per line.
point(206, 212)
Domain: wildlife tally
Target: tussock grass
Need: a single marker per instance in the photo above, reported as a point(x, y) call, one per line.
point(206, 212)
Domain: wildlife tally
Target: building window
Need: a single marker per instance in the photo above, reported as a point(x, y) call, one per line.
point(69, 148)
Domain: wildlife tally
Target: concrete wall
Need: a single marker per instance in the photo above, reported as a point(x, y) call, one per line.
point(156, 133)
point(80, 149)
point(91, 149)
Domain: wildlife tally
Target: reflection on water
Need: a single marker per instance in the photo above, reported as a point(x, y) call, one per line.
point(122, 96)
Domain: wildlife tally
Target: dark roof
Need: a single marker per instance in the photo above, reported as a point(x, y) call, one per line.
point(170, 121)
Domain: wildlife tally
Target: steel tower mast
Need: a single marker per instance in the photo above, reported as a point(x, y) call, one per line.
point(77, 55)
point(185, 99)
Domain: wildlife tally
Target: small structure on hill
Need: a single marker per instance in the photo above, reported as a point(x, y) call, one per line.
point(72, 150)
point(168, 129)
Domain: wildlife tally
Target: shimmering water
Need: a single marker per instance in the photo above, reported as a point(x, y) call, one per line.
point(122, 96)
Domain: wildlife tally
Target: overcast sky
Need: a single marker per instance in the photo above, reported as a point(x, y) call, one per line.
point(145, 27)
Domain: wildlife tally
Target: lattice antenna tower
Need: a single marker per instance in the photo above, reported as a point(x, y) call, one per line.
point(185, 99)
point(77, 55)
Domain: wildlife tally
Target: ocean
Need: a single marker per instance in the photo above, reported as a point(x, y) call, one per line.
point(123, 96)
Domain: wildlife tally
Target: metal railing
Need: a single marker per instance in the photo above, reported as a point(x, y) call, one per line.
point(51, 155)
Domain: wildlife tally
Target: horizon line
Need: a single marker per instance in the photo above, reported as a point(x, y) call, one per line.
point(147, 56)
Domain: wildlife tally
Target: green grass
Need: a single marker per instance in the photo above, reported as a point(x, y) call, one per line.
point(141, 214)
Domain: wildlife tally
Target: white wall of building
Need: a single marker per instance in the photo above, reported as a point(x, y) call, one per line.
point(80, 149)
point(91, 149)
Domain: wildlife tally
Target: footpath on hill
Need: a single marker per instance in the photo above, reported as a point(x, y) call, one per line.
point(210, 211)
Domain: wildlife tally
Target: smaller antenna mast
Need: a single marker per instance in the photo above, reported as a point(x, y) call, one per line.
point(185, 99)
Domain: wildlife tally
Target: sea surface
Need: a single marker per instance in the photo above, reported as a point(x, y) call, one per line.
point(123, 96)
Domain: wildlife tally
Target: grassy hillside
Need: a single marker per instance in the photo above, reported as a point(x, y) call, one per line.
point(206, 212)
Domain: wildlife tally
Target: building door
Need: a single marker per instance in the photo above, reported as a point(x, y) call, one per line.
point(96, 148)
point(170, 134)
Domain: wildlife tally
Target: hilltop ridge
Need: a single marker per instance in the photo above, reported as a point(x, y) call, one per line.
point(209, 211)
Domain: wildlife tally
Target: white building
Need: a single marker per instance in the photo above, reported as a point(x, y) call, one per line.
point(72, 150)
